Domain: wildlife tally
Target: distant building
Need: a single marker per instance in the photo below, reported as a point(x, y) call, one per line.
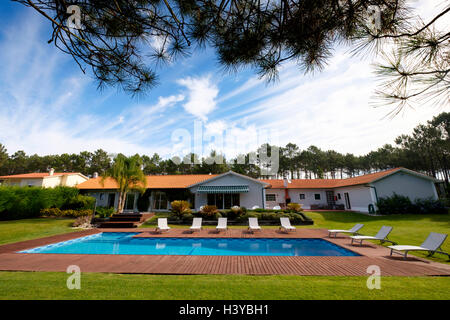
point(46, 179)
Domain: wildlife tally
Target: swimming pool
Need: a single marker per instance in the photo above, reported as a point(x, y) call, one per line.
point(124, 243)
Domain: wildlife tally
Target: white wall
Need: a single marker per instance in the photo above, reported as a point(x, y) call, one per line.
point(51, 182)
point(309, 197)
point(405, 184)
point(72, 180)
point(360, 197)
point(279, 196)
point(247, 199)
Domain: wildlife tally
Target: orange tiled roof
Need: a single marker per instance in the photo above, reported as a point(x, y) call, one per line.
point(184, 181)
point(329, 183)
point(153, 182)
point(37, 175)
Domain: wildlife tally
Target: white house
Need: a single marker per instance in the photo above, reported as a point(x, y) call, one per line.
point(224, 191)
point(355, 193)
point(230, 189)
point(44, 179)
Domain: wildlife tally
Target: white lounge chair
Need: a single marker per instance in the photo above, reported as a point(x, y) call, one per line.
point(222, 224)
point(353, 230)
point(432, 244)
point(286, 225)
point(253, 224)
point(162, 225)
point(381, 236)
point(196, 224)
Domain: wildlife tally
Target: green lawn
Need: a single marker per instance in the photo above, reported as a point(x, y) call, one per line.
point(52, 285)
point(408, 229)
point(26, 229)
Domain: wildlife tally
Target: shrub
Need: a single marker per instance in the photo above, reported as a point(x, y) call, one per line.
point(79, 202)
point(104, 212)
point(180, 207)
point(429, 206)
point(233, 213)
point(27, 202)
point(398, 204)
point(208, 211)
point(56, 212)
point(295, 207)
point(187, 217)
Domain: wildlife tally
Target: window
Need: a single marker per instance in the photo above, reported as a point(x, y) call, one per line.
point(101, 196)
point(339, 196)
point(129, 202)
point(160, 201)
point(302, 196)
point(270, 197)
point(317, 196)
point(223, 200)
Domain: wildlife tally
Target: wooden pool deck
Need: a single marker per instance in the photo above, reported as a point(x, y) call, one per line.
point(371, 254)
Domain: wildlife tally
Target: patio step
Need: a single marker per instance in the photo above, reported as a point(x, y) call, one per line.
point(126, 220)
point(119, 224)
point(118, 218)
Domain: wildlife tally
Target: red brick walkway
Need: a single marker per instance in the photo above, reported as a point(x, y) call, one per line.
point(257, 265)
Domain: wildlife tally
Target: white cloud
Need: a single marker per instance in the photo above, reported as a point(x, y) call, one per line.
point(46, 111)
point(201, 96)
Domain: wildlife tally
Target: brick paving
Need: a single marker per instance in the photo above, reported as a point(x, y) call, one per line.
point(371, 254)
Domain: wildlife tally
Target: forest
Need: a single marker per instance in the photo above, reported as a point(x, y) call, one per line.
point(426, 149)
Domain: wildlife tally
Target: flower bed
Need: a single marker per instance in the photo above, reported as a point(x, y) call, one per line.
point(265, 217)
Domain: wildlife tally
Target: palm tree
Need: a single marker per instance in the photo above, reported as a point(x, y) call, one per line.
point(127, 172)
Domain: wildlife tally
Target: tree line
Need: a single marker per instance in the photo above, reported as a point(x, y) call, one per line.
point(426, 150)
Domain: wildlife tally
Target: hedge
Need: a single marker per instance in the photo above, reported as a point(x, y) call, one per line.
point(398, 204)
point(55, 212)
point(27, 202)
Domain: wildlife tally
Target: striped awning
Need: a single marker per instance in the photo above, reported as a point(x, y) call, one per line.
point(223, 189)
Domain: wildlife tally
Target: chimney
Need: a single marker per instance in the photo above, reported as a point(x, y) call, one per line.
point(285, 182)
point(95, 175)
point(52, 171)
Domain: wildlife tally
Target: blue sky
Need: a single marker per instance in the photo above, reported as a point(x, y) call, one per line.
point(48, 106)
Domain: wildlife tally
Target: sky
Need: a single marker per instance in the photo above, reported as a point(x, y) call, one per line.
point(48, 106)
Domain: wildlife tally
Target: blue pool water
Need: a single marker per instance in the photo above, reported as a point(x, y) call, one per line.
point(124, 243)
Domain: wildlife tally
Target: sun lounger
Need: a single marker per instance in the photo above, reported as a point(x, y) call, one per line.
point(381, 236)
point(432, 244)
point(162, 225)
point(253, 224)
point(222, 224)
point(353, 230)
point(196, 224)
point(286, 225)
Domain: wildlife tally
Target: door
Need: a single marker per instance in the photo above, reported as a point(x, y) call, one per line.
point(160, 201)
point(129, 203)
point(330, 199)
point(347, 201)
point(111, 200)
